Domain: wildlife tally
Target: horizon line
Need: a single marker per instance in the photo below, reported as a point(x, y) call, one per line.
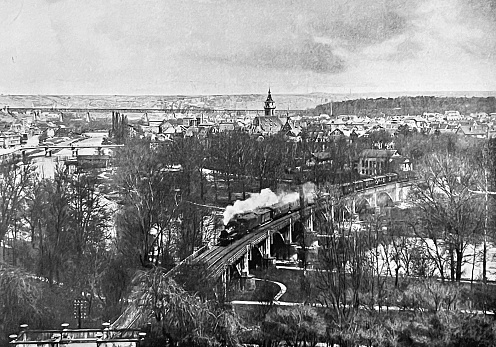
point(426, 92)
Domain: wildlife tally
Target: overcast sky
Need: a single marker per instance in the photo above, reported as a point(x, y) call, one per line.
point(245, 46)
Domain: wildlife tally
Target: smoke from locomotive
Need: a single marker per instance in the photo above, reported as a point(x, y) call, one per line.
point(266, 198)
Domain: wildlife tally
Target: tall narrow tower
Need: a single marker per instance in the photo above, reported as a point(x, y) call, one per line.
point(269, 105)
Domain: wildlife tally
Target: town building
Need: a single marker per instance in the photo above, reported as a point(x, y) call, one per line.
point(371, 162)
point(269, 106)
point(9, 139)
point(269, 123)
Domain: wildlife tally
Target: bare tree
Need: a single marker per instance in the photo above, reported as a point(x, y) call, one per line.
point(182, 317)
point(343, 271)
point(15, 179)
point(297, 326)
point(19, 299)
point(450, 214)
point(147, 187)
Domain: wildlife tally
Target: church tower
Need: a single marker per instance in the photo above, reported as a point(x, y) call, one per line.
point(269, 105)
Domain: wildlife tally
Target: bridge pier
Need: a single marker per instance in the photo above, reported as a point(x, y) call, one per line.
point(268, 259)
point(245, 268)
point(224, 282)
point(268, 243)
point(309, 221)
point(247, 281)
point(398, 192)
point(290, 231)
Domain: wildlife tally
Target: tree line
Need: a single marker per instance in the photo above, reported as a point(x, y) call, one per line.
point(407, 105)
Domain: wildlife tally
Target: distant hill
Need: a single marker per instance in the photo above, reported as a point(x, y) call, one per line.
point(408, 105)
point(230, 102)
point(316, 102)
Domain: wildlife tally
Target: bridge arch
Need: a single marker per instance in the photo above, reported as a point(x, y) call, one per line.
point(384, 200)
point(256, 258)
point(298, 232)
point(363, 206)
point(279, 248)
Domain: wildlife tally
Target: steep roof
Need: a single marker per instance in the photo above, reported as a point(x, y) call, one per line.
point(268, 123)
point(477, 130)
point(269, 97)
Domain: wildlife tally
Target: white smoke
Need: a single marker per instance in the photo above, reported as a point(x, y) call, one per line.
point(309, 192)
point(267, 198)
point(263, 199)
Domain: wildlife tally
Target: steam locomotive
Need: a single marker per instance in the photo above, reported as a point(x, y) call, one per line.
point(243, 223)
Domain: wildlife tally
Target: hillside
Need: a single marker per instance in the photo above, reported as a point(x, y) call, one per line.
point(230, 102)
point(408, 105)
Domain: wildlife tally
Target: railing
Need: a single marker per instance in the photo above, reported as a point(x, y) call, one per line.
point(187, 260)
point(90, 337)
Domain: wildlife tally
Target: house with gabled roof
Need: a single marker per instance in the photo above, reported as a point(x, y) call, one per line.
point(372, 162)
point(444, 128)
point(267, 125)
point(475, 130)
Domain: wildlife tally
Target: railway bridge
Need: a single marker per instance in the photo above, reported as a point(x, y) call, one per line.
point(271, 241)
point(268, 242)
point(379, 196)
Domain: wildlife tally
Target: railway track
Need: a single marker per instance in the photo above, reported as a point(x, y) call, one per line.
point(219, 258)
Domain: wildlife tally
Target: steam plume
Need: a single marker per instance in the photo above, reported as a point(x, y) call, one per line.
point(267, 198)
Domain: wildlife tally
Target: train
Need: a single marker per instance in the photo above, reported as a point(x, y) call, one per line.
point(243, 223)
point(356, 186)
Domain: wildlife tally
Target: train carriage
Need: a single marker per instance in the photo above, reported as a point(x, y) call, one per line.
point(347, 188)
point(368, 182)
point(248, 221)
point(380, 180)
point(264, 215)
point(391, 177)
point(280, 209)
point(359, 185)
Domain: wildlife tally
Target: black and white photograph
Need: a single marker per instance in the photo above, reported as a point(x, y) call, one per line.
point(258, 173)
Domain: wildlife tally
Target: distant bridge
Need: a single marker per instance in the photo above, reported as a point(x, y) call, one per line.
point(49, 149)
point(141, 110)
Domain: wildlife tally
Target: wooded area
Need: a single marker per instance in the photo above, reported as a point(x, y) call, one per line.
point(72, 242)
point(407, 105)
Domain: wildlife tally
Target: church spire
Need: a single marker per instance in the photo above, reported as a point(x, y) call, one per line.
point(269, 106)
